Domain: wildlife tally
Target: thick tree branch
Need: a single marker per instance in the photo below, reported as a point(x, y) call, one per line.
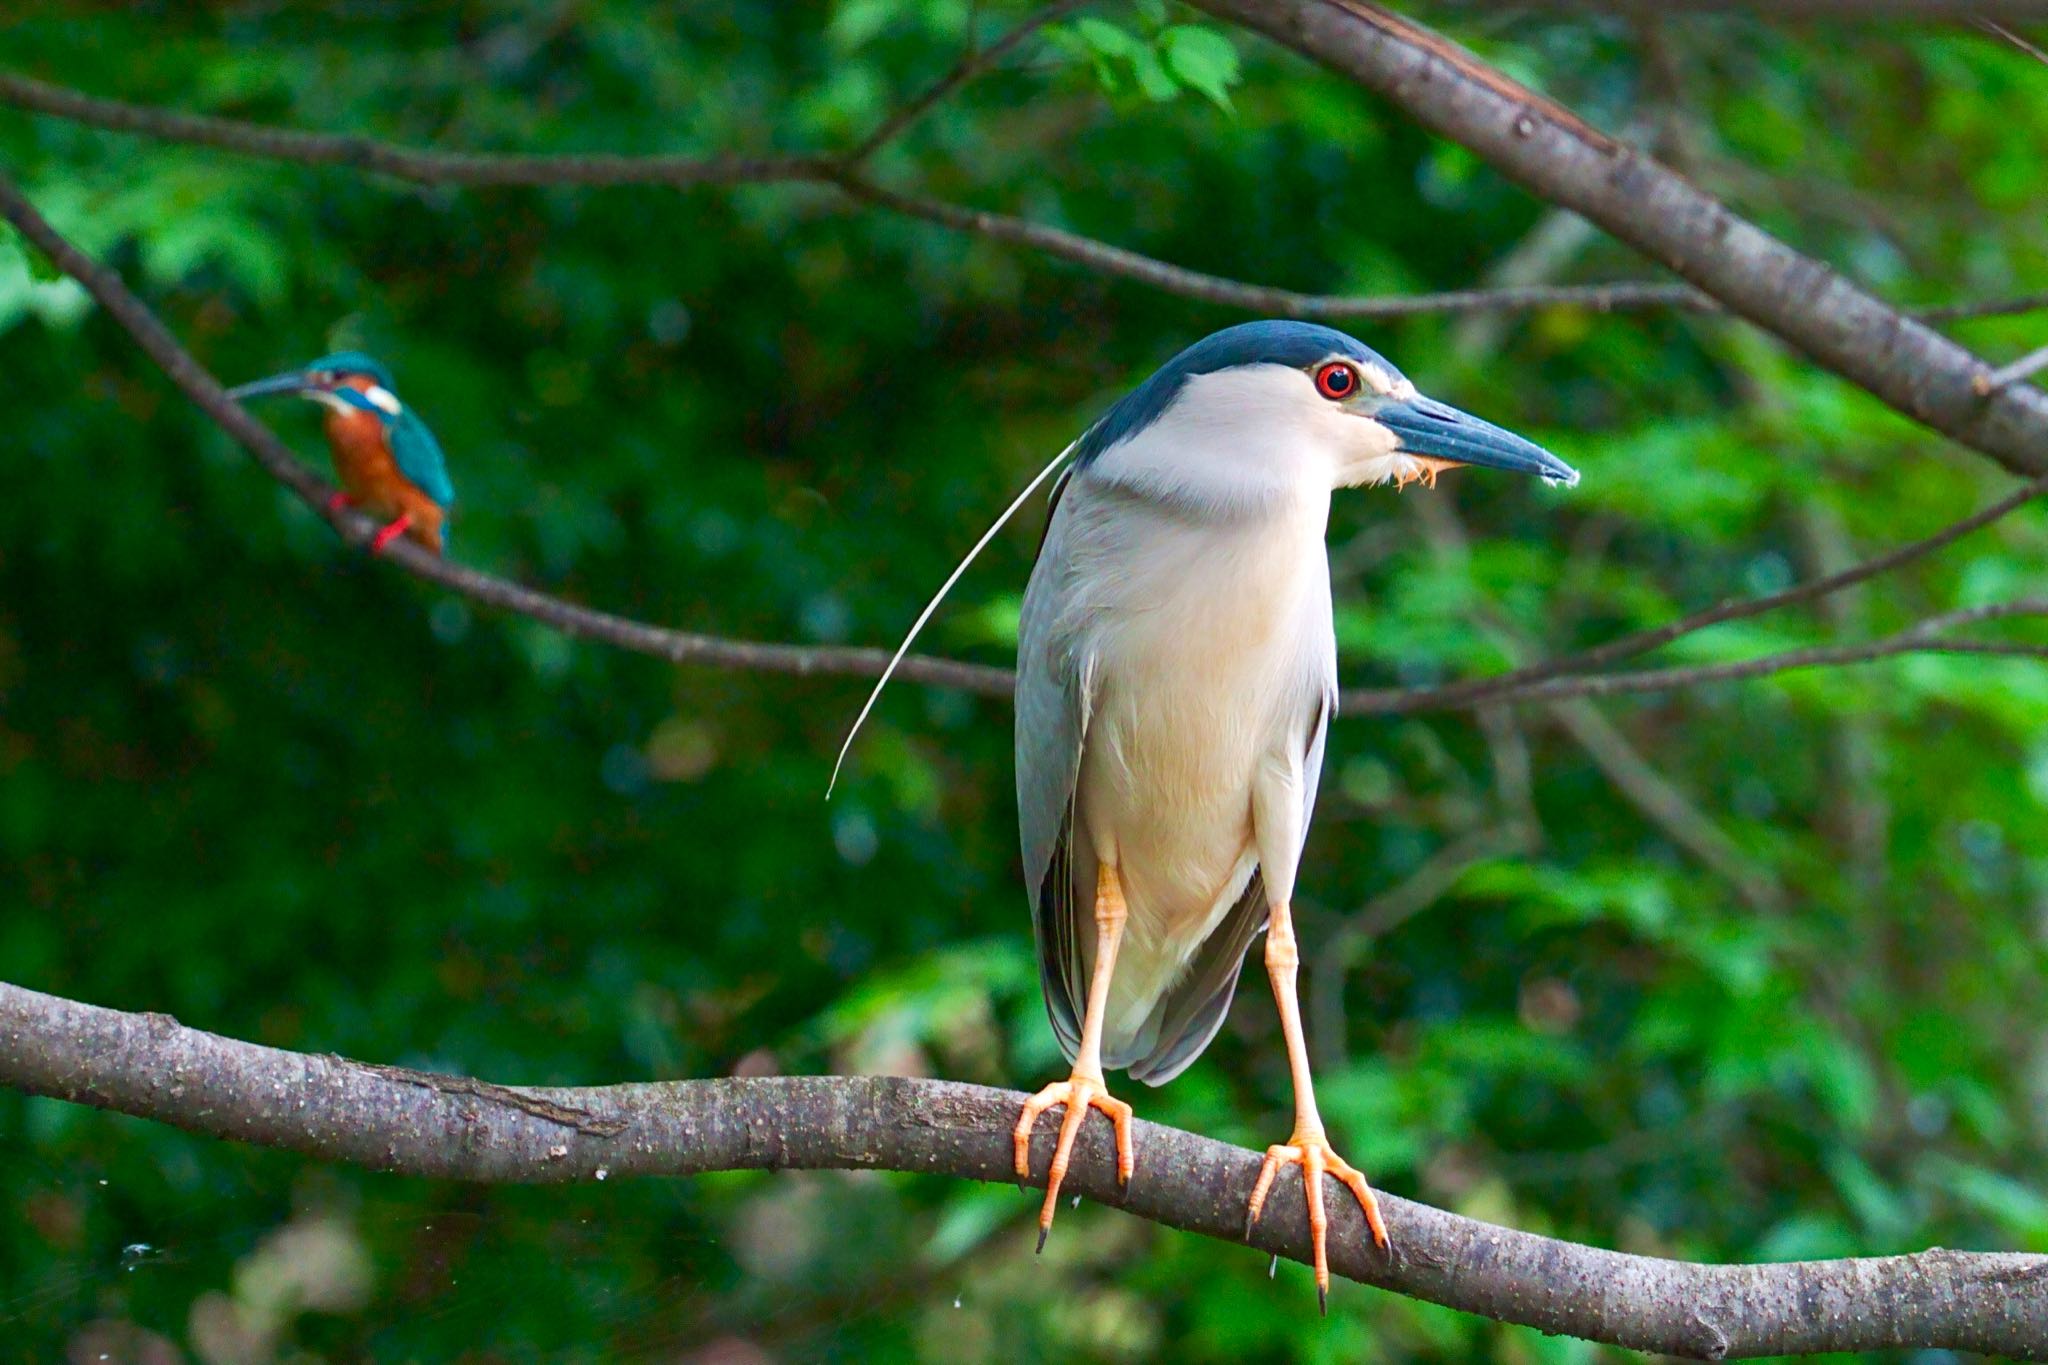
point(427, 167)
point(1558, 156)
point(1950, 11)
point(455, 1128)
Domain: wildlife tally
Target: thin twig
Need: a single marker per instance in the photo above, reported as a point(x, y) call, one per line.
point(1432, 881)
point(1394, 701)
point(1664, 804)
point(418, 165)
point(1993, 27)
point(1641, 642)
point(1259, 298)
point(1989, 308)
point(976, 61)
point(2006, 375)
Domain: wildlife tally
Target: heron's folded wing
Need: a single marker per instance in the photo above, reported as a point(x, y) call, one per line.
point(1052, 711)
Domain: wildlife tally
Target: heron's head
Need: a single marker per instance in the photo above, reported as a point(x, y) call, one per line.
point(346, 382)
point(1264, 407)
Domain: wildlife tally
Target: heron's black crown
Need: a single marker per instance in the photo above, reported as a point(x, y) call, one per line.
point(1296, 345)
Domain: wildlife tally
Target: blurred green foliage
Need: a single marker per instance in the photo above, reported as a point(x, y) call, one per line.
point(251, 780)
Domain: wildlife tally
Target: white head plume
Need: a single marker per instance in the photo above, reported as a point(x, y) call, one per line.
point(933, 605)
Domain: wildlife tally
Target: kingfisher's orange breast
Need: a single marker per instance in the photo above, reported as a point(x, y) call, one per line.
point(362, 457)
point(367, 469)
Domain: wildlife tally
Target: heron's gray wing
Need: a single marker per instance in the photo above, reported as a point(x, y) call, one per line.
point(1052, 714)
point(1189, 1015)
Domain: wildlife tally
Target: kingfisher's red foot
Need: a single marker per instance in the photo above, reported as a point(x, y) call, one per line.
point(1311, 1151)
point(336, 501)
point(1079, 1094)
point(383, 538)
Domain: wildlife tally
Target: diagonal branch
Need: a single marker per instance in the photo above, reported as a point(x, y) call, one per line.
point(1508, 684)
point(976, 61)
point(1665, 805)
point(1259, 298)
point(1930, 11)
point(1914, 640)
point(455, 1128)
point(1558, 156)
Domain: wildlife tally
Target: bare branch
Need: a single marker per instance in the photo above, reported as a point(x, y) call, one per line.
point(966, 69)
point(1662, 803)
point(419, 166)
point(1432, 881)
point(1931, 11)
point(1259, 298)
point(455, 1128)
point(1558, 156)
point(1508, 684)
point(1403, 702)
point(426, 167)
point(1989, 308)
point(2005, 375)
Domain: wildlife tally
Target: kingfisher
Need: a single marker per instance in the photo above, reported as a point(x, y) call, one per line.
point(389, 464)
point(1176, 676)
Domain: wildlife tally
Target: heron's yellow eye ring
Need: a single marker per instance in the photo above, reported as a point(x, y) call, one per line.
point(1336, 381)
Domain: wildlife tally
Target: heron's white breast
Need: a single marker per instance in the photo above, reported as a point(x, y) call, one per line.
point(1210, 643)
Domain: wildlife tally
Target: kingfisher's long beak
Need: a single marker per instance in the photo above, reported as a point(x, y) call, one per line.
point(1438, 431)
point(292, 381)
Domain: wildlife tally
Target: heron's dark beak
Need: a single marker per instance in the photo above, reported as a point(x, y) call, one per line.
point(292, 381)
point(1438, 431)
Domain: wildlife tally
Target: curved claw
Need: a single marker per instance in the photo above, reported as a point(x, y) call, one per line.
point(1079, 1094)
point(338, 500)
point(1312, 1152)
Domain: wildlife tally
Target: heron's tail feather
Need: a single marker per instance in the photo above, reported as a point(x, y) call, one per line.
point(1187, 1016)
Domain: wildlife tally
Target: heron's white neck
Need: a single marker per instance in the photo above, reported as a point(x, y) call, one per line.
point(1250, 441)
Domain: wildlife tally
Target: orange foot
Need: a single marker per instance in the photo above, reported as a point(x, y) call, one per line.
point(382, 540)
point(1311, 1151)
point(1079, 1093)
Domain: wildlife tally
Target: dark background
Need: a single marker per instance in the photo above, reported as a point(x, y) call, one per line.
point(1765, 984)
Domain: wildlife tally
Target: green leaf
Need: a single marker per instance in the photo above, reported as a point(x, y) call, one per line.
point(1107, 39)
point(1203, 60)
point(1153, 81)
point(41, 269)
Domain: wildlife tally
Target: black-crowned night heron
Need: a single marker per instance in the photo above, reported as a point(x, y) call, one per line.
point(1176, 674)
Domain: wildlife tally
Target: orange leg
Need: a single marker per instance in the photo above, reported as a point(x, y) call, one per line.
point(1085, 1089)
point(384, 537)
point(1309, 1147)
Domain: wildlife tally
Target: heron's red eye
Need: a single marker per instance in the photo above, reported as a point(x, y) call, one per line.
point(1336, 381)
